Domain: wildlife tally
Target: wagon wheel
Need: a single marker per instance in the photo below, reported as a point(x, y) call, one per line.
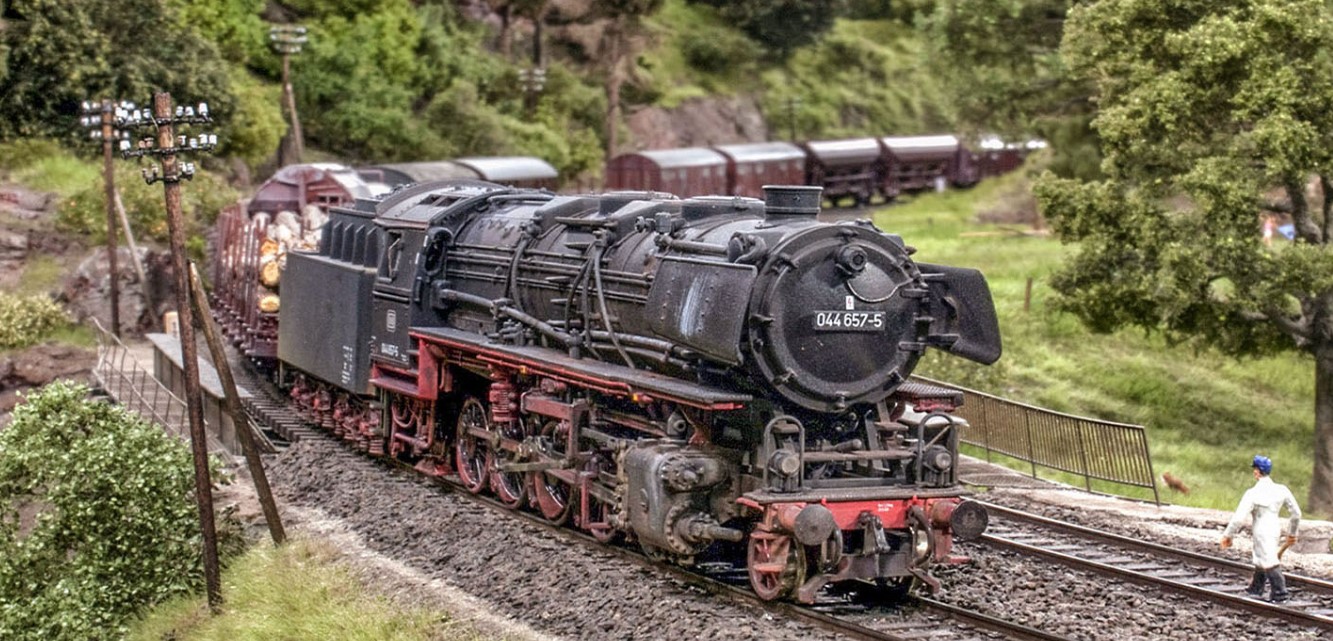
point(554, 497)
point(598, 510)
point(776, 565)
point(509, 487)
point(470, 449)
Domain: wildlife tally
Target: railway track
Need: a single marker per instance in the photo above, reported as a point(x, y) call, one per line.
point(271, 412)
point(1166, 568)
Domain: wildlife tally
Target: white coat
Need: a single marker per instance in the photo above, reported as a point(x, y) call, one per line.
point(1264, 502)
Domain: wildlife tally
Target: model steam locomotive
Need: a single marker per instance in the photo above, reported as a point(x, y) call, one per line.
point(716, 379)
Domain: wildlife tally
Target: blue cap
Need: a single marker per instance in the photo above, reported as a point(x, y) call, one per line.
point(1262, 464)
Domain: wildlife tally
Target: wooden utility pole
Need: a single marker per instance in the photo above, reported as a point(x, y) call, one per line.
point(98, 117)
point(203, 485)
point(109, 184)
point(287, 40)
point(238, 416)
point(168, 145)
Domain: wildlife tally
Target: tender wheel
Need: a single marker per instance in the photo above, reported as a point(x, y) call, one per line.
point(470, 450)
point(509, 487)
point(775, 563)
point(554, 497)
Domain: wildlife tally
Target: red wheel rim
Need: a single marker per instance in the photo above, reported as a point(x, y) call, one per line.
point(470, 452)
point(554, 497)
point(775, 565)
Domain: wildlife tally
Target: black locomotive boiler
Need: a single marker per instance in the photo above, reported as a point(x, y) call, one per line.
point(716, 379)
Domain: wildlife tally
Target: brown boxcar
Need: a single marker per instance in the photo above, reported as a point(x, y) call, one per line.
point(692, 171)
point(915, 163)
point(853, 167)
point(323, 184)
point(751, 166)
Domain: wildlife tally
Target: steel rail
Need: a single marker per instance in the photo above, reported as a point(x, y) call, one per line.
point(1306, 582)
point(1136, 573)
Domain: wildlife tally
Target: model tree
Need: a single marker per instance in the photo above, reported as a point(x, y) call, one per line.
point(1212, 116)
point(1000, 62)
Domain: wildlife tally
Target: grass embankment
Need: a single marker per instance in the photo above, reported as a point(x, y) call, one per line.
point(863, 77)
point(1206, 414)
point(299, 591)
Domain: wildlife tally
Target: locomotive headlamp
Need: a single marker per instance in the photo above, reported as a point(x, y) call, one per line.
point(938, 458)
point(851, 260)
point(785, 463)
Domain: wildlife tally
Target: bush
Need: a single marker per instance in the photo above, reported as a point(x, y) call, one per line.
point(145, 205)
point(23, 152)
point(26, 320)
point(717, 51)
point(96, 520)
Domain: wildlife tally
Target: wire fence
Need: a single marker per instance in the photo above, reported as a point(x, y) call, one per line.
point(138, 390)
point(1093, 449)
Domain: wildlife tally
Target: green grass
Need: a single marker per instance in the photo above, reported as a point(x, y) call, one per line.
point(297, 592)
point(61, 173)
point(1206, 414)
point(41, 274)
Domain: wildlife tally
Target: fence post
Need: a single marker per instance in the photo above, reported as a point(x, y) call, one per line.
point(1032, 452)
point(1083, 456)
point(985, 426)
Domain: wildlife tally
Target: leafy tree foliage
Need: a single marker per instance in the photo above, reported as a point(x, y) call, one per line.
point(782, 26)
point(95, 518)
point(1212, 115)
point(26, 320)
point(235, 26)
point(1001, 63)
point(63, 52)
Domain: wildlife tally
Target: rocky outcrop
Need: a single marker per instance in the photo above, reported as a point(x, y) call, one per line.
point(87, 291)
point(698, 122)
point(36, 366)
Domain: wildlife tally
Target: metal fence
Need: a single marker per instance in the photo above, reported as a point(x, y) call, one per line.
point(137, 390)
point(1090, 448)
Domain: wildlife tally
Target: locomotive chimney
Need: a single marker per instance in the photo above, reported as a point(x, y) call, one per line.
point(792, 201)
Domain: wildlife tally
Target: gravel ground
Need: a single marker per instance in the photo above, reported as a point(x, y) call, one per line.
point(523, 571)
point(562, 589)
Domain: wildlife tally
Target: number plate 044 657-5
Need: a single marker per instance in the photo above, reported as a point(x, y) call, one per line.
point(849, 321)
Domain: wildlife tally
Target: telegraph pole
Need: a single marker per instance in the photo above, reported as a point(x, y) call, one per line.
point(166, 148)
point(98, 118)
point(287, 40)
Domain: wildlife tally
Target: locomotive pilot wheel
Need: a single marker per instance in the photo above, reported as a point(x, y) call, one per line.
point(776, 564)
point(470, 450)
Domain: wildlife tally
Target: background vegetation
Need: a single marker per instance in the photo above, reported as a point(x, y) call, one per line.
point(1206, 413)
point(96, 520)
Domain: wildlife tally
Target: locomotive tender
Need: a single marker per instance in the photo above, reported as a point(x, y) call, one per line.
point(719, 379)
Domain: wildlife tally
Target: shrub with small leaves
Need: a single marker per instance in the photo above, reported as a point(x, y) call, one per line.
point(25, 320)
point(96, 519)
